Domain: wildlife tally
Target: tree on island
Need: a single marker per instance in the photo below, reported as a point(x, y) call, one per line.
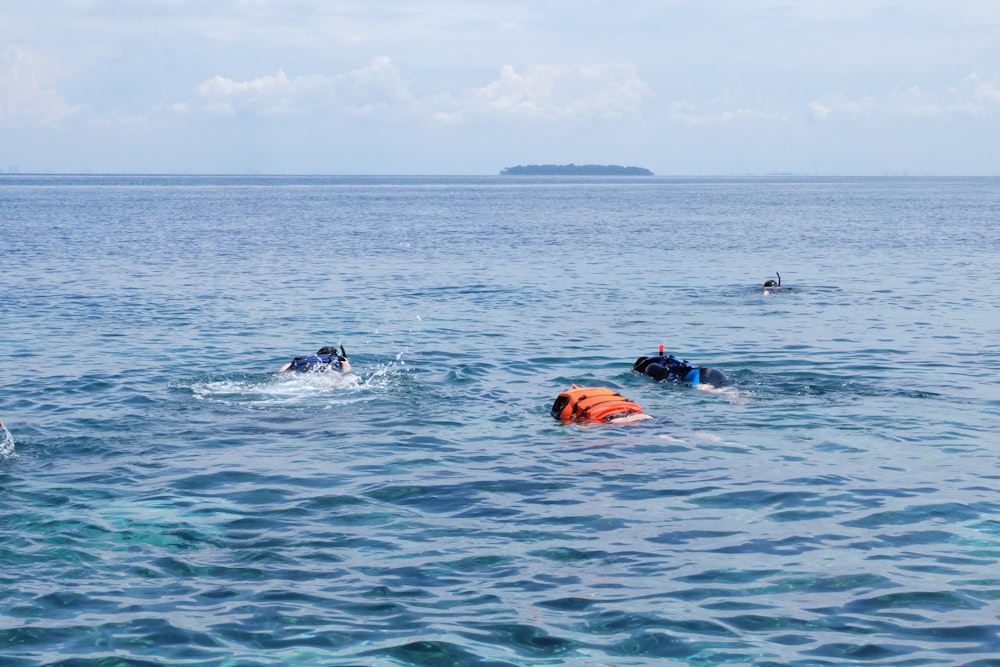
point(574, 170)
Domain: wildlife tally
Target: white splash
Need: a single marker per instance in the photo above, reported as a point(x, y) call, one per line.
point(6, 443)
point(293, 388)
point(280, 388)
point(734, 395)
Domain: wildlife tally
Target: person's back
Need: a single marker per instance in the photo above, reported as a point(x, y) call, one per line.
point(668, 368)
point(327, 359)
point(596, 404)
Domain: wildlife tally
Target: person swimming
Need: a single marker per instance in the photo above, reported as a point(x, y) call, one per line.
point(771, 285)
point(597, 405)
point(326, 360)
point(668, 368)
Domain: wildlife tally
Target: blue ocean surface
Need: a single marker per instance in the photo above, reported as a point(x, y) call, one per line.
point(168, 498)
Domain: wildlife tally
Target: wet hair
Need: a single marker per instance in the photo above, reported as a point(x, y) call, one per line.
point(327, 350)
point(770, 283)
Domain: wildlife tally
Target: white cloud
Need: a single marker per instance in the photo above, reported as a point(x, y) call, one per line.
point(837, 105)
point(372, 88)
point(27, 91)
point(985, 93)
point(541, 92)
point(269, 94)
point(688, 115)
point(972, 97)
point(819, 111)
point(552, 92)
point(722, 110)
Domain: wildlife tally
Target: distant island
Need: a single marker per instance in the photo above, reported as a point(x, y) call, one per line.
point(574, 170)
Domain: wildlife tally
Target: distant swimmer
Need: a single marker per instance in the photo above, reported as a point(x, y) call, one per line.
point(596, 405)
point(668, 368)
point(771, 285)
point(328, 359)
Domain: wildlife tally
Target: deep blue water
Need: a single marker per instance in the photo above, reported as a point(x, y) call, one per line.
point(167, 499)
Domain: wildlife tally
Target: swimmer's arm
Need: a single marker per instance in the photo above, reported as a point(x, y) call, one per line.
point(285, 367)
point(345, 366)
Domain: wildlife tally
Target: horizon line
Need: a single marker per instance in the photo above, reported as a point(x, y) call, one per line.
point(245, 174)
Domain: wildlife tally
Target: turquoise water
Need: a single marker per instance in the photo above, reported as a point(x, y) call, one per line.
point(167, 499)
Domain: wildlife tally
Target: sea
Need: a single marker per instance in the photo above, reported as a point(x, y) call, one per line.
point(167, 497)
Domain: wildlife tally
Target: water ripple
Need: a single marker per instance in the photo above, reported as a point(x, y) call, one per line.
point(167, 497)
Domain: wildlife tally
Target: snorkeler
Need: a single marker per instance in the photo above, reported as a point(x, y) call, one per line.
point(668, 368)
point(771, 285)
point(596, 405)
point(326, 360)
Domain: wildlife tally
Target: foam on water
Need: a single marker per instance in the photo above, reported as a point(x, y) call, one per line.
point(276, 389)
point(729, 392)
point(6, 443)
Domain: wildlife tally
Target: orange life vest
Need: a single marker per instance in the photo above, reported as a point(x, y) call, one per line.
point(592, 404)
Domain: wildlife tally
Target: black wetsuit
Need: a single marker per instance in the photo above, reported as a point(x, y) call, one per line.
point(663, 368)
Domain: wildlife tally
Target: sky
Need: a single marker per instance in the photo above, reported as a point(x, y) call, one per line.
point(468, 87)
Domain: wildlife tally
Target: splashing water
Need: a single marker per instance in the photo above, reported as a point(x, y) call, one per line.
point(294, 388)
point(6, 443)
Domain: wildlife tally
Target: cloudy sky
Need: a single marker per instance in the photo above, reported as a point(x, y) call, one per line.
point(682, 87)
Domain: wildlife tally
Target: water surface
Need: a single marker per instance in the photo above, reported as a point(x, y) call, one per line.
point(167, 498)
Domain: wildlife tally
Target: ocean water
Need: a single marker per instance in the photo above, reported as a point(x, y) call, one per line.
point(167, 498)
